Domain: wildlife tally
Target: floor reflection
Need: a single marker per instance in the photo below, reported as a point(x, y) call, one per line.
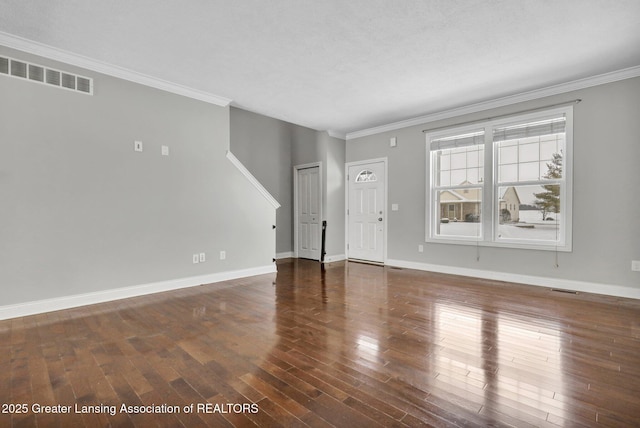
point(351, 345)
point(469, 348)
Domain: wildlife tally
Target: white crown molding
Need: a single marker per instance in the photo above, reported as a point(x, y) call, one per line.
point(254, 181)
point(337, 134)
point(557, 283)
point(49, 52)
point(73, 301)
point(614, 76)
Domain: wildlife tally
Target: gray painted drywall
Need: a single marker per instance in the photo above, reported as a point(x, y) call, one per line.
point(269, 148)
point(606, 207)
point(82, 212)
point(332, 152)
point(264, 146)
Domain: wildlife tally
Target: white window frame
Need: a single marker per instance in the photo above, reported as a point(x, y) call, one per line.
point(490, 212)
point(433, 208)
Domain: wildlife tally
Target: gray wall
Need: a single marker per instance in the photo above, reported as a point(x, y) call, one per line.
point(270, 148)
point(332, 151)
point(606, 206)
point(264, 146)
point(82, 212)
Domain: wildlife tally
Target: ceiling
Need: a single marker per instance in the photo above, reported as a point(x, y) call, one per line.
point(339, 65)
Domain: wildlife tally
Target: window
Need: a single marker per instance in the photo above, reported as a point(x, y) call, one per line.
point(516, 193)
point(366, 176)
point(458, 177)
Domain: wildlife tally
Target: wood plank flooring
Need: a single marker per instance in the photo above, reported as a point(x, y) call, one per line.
point(351, 345)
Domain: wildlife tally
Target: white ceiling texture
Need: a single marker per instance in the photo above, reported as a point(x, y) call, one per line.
point(339, 65)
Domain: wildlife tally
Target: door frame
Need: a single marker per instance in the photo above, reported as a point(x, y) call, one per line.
point(296, 168)
point(386, 203)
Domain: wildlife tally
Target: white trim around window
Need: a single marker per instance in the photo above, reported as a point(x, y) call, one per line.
point(505, 182)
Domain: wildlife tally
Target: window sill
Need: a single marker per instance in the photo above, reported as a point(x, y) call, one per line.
point(500, 244)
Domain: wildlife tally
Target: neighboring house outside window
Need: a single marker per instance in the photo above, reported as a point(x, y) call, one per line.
point(509, 205)
point(504, 182)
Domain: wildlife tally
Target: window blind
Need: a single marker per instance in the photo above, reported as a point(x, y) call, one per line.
point(556, 125)
point(463, 140)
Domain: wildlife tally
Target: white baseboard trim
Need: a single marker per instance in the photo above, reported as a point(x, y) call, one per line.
point(327, 259)
point(564, 284)
point(67, 302)
point(335, 258)
point(285, 255)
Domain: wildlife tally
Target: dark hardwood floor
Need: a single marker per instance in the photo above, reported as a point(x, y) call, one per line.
point(352, 345)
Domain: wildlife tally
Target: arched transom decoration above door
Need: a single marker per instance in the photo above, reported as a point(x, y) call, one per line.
point(366, 176)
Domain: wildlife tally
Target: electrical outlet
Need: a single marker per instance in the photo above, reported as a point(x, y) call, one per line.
point(196, 258)
point(421, 248)
point(164, 150)
point(223, 255)
point(635, 265)
point(203, 257)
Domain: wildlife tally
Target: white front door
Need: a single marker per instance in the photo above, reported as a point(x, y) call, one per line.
point(366, 215)
point(309, 232)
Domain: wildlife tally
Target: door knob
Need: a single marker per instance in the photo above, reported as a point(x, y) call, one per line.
point(379, 218)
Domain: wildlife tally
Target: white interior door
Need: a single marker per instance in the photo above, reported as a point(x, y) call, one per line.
point(366, 215)
point(309, 231)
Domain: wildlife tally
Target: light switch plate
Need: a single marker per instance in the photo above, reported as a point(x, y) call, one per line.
point(137, 146)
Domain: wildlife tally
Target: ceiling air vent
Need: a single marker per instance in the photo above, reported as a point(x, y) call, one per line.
point(4, 65)
point(83, 84)
point(36, 73)
point(48, 76)
point(18, 68)
point(69, 81)
point(53, 77)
